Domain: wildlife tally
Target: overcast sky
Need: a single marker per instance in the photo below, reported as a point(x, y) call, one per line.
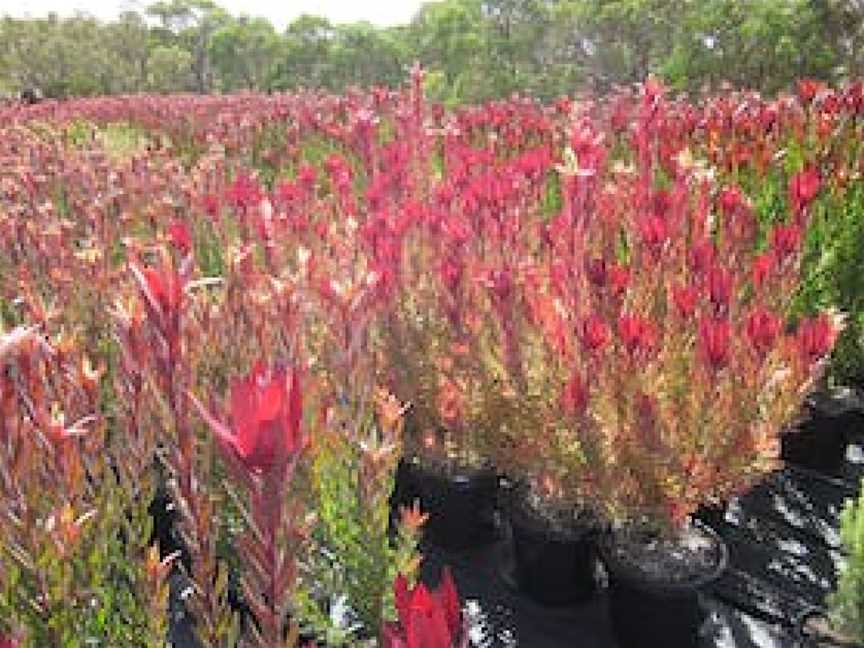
point(279, 12)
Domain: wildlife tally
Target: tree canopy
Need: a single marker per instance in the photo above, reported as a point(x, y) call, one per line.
point(471, 49)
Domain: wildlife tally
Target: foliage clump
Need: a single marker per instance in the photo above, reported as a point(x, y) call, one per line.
point(847, 602)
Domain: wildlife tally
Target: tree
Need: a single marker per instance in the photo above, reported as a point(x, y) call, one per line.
point(244, 52)
point(449, 36)
point(190, 24)
point(762, 44)
point(472, 49)
point(364, 55)
point(128, 41)
point(305, 59)
point(59, 57)
point(169, 68)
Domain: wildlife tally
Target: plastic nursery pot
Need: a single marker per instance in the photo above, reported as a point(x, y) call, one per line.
point(460, 502)
point(656, 593)
point(713, 514)
point(813, 629)
point(819, 442)
point(404, 486)
point(549, 562)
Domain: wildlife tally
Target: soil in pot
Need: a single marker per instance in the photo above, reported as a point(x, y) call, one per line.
point(655, 584)
point(551, 558)
point(461, 503)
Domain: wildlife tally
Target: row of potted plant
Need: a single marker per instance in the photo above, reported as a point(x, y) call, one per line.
point(593, 312)
point(69, 489)
point(624, 364)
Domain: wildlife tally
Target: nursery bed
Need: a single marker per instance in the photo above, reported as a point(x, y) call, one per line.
point(783, 543)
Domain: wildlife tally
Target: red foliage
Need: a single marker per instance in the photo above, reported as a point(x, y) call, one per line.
point(266, 411)
point(426, 619)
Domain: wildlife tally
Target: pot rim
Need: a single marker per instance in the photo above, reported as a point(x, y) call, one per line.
point(640, 580)
point(454, 473)
point(518, 511)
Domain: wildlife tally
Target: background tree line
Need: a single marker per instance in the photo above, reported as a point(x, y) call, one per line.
point(472, 49)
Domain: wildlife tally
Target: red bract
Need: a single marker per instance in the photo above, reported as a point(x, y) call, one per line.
point(9, 642)
point(211, 205)
point(661, 203)
point(163, 290)
point(596, 271)
point(685, 298)
point(808, 89)
point(163, 298)
point(763, 266)
point(785, 240)
point(815, 338)
point(574, 396)
point(595, 333)
point(266, 414)
point(244, 192)
point(714, 341)
point(589, 148)
point(306, 177)
point(500, 283)
point(619, 278)
point(181, 238)
point(426, 619)
point(763, 327)
point(451, 271)
point(636, 333)
point(803, 189)
point(702, 256)
point(654, 231)
point(720, 285)
point(731, 198)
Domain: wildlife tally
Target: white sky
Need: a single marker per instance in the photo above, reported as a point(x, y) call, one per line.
point(280, 13)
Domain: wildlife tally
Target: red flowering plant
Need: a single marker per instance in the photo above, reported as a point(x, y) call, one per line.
point(672, 330)
point(349, 270)
point(791, 153)
point(312, 264)
point(460, 265)
point(261, 447)
point(529, 391)
point(431, 619)
point(416, 241)
point(64, 509)
point(170, 369)
point(431, 366)
point(344, 594)
point(9, 641)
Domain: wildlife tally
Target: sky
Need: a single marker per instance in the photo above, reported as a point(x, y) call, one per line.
point(279, 12)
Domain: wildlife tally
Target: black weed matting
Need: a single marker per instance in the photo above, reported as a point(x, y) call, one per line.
point(783, 546)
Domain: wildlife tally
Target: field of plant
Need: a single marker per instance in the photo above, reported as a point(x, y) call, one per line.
point(255, 307)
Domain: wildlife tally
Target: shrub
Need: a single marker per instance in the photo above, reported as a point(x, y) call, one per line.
point(847, 602)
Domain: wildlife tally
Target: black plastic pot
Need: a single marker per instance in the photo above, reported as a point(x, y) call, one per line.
point(461, 505)
point(549, 565)
point(404, 486)
point(713, 515)
point(819, 442)
point(667, 613)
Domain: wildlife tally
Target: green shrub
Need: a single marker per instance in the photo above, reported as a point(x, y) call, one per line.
point(847, 603)
point(347, 593)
